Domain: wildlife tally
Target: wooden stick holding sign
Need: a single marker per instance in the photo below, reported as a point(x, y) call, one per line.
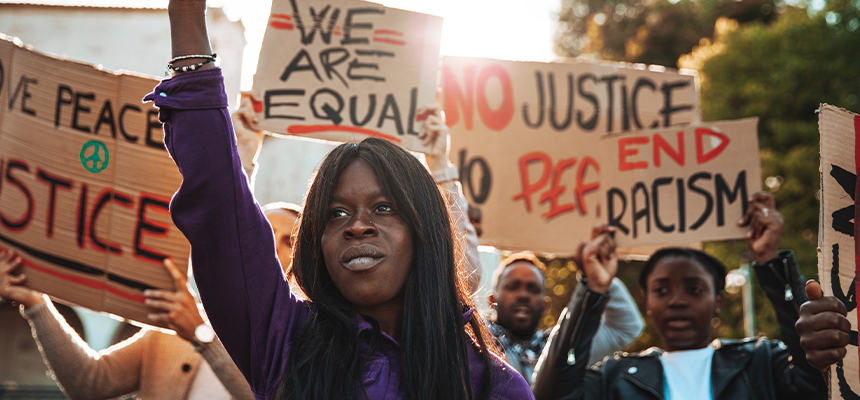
point(344, 70)
point(838, 264)
point(85, 182)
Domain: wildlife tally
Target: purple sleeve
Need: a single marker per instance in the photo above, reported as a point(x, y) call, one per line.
point(232, 246)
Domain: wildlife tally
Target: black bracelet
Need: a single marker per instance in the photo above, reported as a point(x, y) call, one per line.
point(191, 67)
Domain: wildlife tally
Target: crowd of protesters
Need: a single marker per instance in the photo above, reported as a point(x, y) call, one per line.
point(366, 291)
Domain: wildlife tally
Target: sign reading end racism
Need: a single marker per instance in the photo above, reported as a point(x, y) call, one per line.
point(344, 70)
point(838, 265)
point(675, 186)
point(85, 182)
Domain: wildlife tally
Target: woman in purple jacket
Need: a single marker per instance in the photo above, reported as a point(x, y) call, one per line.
point(387, 317)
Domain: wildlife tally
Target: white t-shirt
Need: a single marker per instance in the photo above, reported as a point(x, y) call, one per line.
point(687, 374)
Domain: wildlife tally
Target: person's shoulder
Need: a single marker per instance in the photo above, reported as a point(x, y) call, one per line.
point(747, 345)
point(508, 383)
point(622, 360)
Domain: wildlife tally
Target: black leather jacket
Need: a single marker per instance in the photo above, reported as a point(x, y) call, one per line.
point(742, 369)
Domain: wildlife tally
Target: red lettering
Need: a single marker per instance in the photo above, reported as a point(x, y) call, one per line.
point(528, 188)
point(107, 195)
point(500, 118)
point(453, 95)
point(624, 152)
point(583, 188)
point(20, 224)
point(701, 156)
point(552, 193)
point(677, 155)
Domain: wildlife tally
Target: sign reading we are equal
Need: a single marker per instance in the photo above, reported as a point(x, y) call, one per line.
point(343, 70)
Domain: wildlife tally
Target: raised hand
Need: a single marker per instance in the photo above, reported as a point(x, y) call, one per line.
point(435, 134)
point(178, 310)
point(765, 224)
point(248, 139)
point(599, 259)
point(12, 285)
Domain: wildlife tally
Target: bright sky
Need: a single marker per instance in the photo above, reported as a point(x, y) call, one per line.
point(503, 29)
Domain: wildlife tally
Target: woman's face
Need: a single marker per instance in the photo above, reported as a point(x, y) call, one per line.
point(367, 247)
point(682, 301)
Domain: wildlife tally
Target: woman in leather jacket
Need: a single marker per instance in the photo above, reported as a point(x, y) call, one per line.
point(683, 292)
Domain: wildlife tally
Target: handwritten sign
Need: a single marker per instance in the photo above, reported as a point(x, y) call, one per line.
point(525, 137)
point(837, 262)
point(85, 182)
point(344, 70)
point(674, 186)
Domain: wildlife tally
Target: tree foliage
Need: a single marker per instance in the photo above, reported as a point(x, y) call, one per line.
point(755, 58)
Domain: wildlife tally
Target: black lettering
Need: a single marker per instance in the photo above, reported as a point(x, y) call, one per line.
point(296, 65)
point(615, 219)
point(655, 203)
point(355, 64)
point(539, 84)
point(107, 196)
point(634, 101)
point(370, 109)
point(153, 124)
point(328, 112)
point(592, 122)
point(308, 37)
point(842, 218)
point(106, 116)
point(413, 105)
point(143, 225)
point(79, 106)
point(610, 100)
point(625, 115)
point(391, 106)
point(709, 201)
point(466, 177)
point(849, 299)
point(552, 116)
point(682, 205)
point(668, 108)
point(268, 104)
point(348, 25)
point(731, 195)
point(62, 89)
point(53, 181)
point(23, 89)
point(328, 65)
point(639, 214)
point(122, 130)
point(22, 222)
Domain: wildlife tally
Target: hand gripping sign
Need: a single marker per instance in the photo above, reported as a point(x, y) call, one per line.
point(838, 263)
point(344, 70)
point(85, 182)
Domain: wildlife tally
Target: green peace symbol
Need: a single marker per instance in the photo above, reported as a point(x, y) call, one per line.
point(98, 158)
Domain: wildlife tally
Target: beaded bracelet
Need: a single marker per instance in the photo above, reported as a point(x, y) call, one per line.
point(191, 67)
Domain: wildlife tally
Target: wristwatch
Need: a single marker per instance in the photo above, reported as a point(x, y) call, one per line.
point(203, 335)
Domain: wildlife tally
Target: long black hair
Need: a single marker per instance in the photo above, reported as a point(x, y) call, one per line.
point(325, 361)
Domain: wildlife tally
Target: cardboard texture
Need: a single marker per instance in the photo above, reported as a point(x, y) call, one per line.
point(677, 185)
point(85, 182)
point(344, 70)
point(526, 137)
point(837, 239)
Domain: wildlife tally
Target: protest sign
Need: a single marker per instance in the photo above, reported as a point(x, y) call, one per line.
point(344, 70)
point(525, 136)
point(678, 185)
point(85, 182)
point(838, 264)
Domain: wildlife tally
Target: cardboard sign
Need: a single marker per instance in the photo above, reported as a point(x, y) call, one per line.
point(344, 70)
point(525, 136)
point(85, 182)
point(675, 186)
point(838, 264)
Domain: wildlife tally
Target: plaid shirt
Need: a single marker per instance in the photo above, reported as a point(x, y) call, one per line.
point(522, 354)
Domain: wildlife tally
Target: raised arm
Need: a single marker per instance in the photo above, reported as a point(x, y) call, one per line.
point(437, 134)
point(779, 275)
point(233, 250)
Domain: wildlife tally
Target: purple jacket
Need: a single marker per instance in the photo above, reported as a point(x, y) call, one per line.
point(233, 250)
